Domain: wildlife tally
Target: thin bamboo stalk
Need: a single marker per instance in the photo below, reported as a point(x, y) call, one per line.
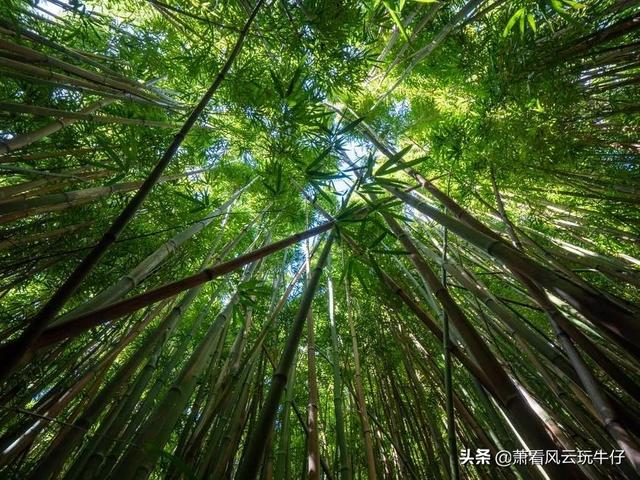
point(141, 271)
point(248, 469)
point(82, 116)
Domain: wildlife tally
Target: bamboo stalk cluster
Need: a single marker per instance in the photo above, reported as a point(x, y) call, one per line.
point(188, 293)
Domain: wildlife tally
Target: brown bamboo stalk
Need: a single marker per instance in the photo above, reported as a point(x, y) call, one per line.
point(82, 116)
point(39, 237)
point(360, 397)
point(83, 323)
point(617, 322)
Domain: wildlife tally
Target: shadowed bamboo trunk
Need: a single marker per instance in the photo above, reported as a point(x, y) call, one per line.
point(91, 459)
point(249, 467)
point(39, 237)
point(26, 139)
point(606, 413)
point(148, 265)
point(95, 374)
point(614, 320)
point(84, 322)
point(67, 440)
point(282, 467)
point(138, 462)
point(313, 442)
point(82, 116)
point(491, 373)
point(448, 380)
point(15, 209)
point(34, 56)
point(345, 468)
point(360, 398)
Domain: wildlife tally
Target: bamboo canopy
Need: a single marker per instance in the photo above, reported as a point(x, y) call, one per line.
point(368, 239)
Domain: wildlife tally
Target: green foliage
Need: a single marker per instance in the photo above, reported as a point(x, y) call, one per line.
point(530, 103)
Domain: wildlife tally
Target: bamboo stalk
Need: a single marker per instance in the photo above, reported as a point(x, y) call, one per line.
point(34, 56)
point(248, 469)
point(86, 117)
point(132, 279)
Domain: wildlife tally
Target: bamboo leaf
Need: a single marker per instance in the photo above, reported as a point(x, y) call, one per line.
point(384, 251)
point(293, 82)
point(532, 22)
point(396, 20)
point(393, 160)
point(391, 182)
point(576, 5)
point(514, 18)
point(350, 126)
point(319, 159)
point(400, 166)
point(277, 83)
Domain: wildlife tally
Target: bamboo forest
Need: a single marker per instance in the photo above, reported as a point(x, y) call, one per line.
point(319, 239)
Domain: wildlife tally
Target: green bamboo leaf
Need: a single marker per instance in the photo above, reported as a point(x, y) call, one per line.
point(318, 188)
point(532, 22)
point(278, 187)
point(393, 160)
point(349, 127)
point(512, 21)
point(319, 159)
point(398, 216)
point(370, 164)
point(576, 5)
point(384, 251)
point(277, 83)
point(188, 197)
point(346, 271)
point(396, 20)
point(371, 188)
point(121, 176)
point(402, 166)
point(269, 187)
point(391, 183)
point(377, 240)
point(557, 6)
point(360, 274)
point(293, 82)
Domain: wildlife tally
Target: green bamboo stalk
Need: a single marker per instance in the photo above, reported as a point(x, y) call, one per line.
point(138, 460)
point(345, 469)
point(34, 56)
point(82, 116)
point(249, 467)
point(448, 381)
point(68, 440)
point(313, 442)
point(84, 322)
point(359, 391)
